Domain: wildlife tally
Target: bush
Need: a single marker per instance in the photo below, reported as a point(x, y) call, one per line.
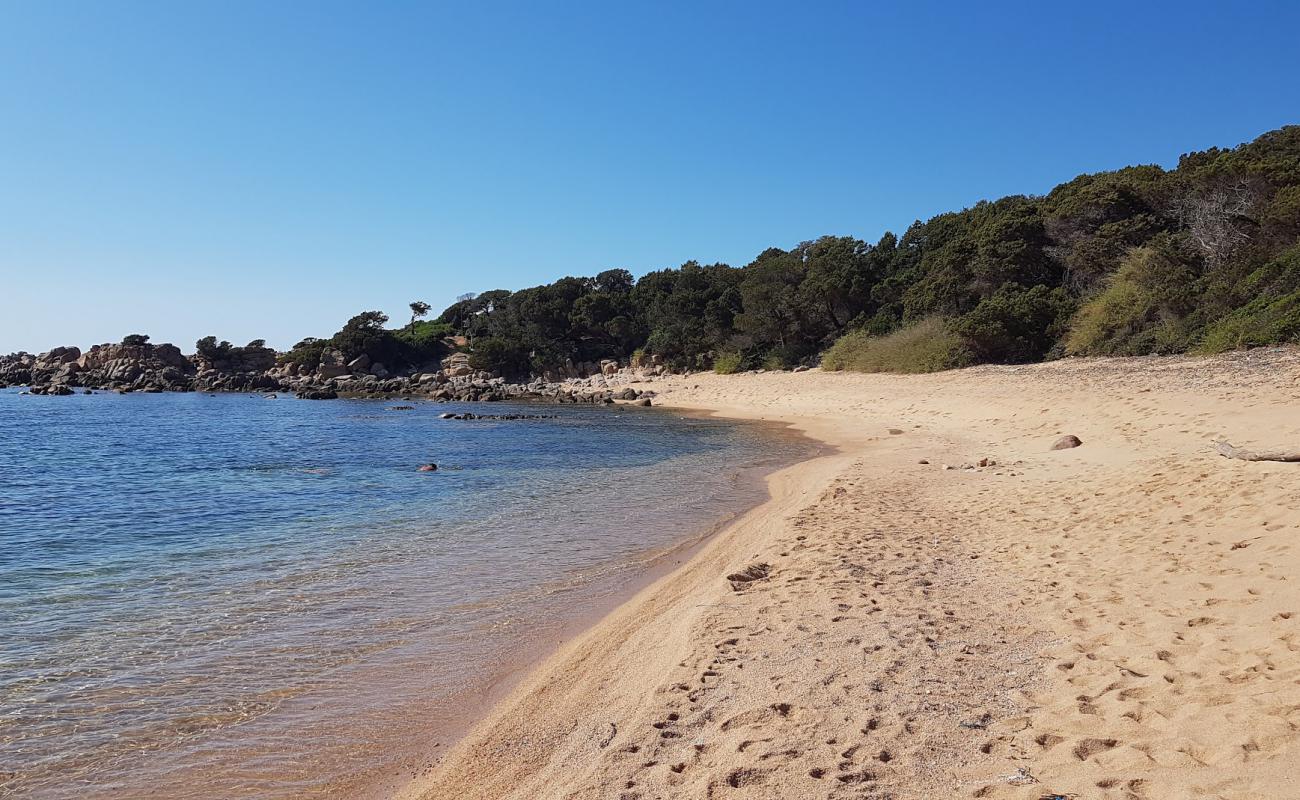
point(728, 363)
point(1260, 322)
point(422, 340)
point(208, 348)
point(1142, 310)
point(1014, 325)
point(365, 335)
point(500, 357)
point(135, 340)
point(928, 346)
point(306, 352)
point(1273, 317)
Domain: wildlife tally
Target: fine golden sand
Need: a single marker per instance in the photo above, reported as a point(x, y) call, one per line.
point(1118, 620)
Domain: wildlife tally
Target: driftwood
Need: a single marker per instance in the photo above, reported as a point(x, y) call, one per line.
point(1228, 451)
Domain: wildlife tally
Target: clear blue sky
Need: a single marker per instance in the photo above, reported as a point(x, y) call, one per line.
point(267, 169)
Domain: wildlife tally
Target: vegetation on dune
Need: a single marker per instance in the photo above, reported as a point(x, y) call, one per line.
point(1272, 316)
point(927, 346)
point(1139, 260)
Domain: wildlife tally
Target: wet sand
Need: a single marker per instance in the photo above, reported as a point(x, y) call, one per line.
point(448, 718)
point(1117, 620)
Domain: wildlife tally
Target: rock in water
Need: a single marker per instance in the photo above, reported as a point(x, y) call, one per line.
point(318, 394)
point(1066, 442)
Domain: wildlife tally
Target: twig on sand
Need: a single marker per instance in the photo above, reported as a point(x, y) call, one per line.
point(1228, 451)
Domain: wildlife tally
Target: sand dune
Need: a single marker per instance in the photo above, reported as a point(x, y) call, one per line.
point(1118, 620)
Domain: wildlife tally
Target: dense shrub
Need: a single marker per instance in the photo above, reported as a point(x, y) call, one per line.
point(423, 341)
point(928, 346)
point(1141, 310)
point(1014, 325)
point(500, 356)
point(1263, 321)
point(728, 363)
point(1271, 317)
point(306, 352)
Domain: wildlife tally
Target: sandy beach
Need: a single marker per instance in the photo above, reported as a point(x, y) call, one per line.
point(1116, 620)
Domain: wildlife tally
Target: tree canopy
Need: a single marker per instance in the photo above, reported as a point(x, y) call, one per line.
point(1137, 260)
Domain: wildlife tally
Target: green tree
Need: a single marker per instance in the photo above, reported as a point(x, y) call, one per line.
point(419, 309)
point(364, 334)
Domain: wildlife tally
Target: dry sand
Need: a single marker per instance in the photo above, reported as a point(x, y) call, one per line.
point(1119, 620)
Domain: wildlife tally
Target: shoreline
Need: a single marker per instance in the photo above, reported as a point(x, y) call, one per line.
point(472, 706)
point(357, 721)
point(783, 485)
point(1003, 663)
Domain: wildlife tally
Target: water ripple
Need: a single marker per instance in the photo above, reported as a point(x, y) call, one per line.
point(187, 583)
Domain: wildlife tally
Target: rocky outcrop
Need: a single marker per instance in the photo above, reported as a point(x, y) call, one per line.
point(235, 369)
point(16, 369)
point(105, 366)
point(163, 367)
point(457, 365)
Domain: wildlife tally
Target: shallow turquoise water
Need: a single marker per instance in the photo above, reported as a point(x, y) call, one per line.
point(226, 596)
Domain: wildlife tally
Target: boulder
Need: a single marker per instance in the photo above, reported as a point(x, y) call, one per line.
point(58, 356)
point(169, 354)
point(1067, 442)
point(57, 389)
point(318, 394)
point(360, 364)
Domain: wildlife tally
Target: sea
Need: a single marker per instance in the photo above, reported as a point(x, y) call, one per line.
point(234, 596)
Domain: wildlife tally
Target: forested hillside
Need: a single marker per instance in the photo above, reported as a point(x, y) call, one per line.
point(1204, 257)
